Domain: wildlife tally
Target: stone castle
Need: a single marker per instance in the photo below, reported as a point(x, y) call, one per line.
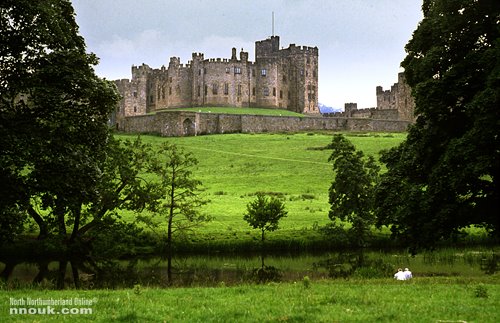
point(394, 104)
point(279, 78)
point(284, 78)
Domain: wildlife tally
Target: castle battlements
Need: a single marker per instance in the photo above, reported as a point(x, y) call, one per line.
point(397, 98)
point(270, 81)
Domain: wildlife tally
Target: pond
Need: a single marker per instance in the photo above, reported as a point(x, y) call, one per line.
point(214, 270)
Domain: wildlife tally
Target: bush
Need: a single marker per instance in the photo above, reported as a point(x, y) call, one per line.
point(481, 291)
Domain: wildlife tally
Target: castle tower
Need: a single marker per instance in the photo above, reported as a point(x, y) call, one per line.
point(397, 98)
point(286, 78)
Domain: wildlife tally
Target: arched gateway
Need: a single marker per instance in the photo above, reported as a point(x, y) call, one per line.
point(188, 127)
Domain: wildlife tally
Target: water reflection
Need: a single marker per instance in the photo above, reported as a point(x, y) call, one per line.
point(202, 270)
point(357, 264)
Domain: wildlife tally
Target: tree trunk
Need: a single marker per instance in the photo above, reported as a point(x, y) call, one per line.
point(76, 276)
point(169, 251)
point(42, 225)
point(76, 226)
point(7, 271)
point(169, 228)
point(61, 224)
point(43, 270)
point(61, 274)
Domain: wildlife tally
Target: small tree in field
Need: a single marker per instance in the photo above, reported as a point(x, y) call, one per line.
point(264, 213)
point(180, 193)
point(351, 194)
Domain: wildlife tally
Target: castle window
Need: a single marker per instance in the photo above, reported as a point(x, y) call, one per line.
point(281, 94)
point(237, 70)
point(284, 78)
point(163, 93)
point(135, 94)
point(151, 98)
point(199, 72)
point(206, 90)
point(169, 90)
point(226, 88)
point(228, 70)
point(239, 89)
point(205, 70)
point(263, 72)
point(215, 88)
point(274, 91)
point(266, 91)
point(253, 91)
point(199, 90)
point(135, 109)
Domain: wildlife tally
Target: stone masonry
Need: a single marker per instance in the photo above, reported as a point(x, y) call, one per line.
point(279, 78)
point(394, 104)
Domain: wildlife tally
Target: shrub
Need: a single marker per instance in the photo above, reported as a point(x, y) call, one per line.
point(481, 291)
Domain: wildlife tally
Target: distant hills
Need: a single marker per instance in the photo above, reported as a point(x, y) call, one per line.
point(326, 109)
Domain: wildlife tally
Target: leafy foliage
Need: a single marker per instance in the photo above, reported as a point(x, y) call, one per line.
point(351, 194)
point(125, 183)
point(178, 198)
point(53, 113)
point(444, 177)
point(265, 213)
point(178, 195)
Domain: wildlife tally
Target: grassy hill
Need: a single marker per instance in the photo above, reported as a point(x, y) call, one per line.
point(233, 167)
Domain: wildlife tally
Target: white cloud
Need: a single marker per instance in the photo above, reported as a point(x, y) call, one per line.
point(119, 47)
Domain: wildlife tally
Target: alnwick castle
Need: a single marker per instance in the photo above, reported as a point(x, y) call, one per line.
point(285, 78)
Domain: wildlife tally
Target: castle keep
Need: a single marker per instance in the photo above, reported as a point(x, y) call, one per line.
point(279, 78)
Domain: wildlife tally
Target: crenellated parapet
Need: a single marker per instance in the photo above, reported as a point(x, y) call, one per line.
point(398, 98)
point(285, 79)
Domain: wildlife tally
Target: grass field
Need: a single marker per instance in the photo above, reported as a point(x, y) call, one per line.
point(379, 300)
point(233, 167)
point(234, 110)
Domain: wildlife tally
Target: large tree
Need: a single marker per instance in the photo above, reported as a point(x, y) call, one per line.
point(53, 113)
point(444, 176)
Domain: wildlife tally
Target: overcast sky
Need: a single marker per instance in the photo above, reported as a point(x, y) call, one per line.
point(361, 42)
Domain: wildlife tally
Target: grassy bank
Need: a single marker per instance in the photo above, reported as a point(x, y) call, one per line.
point(234, 167)
point(383, 300)
point(291, 166)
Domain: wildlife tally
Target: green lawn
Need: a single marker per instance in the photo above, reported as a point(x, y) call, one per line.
point(376, 300)
point(233, 167)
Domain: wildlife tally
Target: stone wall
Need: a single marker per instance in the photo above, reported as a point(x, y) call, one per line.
point(179, 123)
point(397, 98)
